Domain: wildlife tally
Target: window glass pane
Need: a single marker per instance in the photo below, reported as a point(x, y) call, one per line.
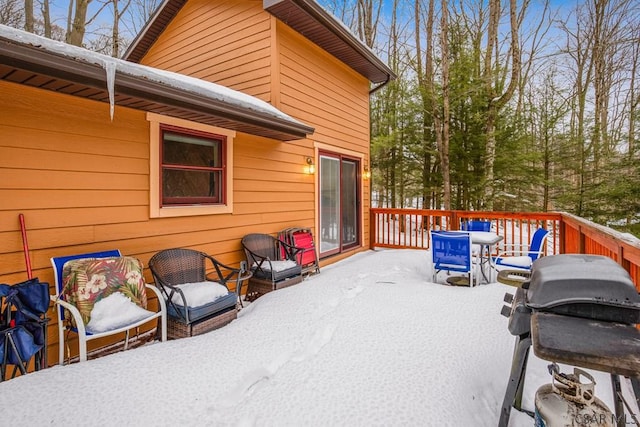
point(329, 204)
point(190, 150)
point(191, 184)
point(349, 203)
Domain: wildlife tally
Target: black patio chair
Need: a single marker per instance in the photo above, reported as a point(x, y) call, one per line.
point(273, 262)
point(197, 301)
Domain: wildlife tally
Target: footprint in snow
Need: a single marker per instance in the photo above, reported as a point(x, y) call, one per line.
point(319, 340)
point(353, 292)
point(252, 380)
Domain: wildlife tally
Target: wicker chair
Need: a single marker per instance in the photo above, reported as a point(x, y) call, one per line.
point(273, 263)
point(196, 303)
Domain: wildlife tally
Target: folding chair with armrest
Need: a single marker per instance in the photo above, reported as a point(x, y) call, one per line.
point(451, 251)
point(476, 225)
point(76, 323)
point(521, 256)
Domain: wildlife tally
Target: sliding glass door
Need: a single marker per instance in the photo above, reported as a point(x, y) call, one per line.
point(339, 203)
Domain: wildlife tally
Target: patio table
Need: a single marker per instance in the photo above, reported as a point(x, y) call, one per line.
point(487, 240)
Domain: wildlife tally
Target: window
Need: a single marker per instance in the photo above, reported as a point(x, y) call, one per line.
point(192, 167)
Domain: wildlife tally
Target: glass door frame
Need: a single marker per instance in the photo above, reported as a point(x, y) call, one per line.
point(357, 161)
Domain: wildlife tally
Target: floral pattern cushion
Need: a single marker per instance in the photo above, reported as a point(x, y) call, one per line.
point(88, 280)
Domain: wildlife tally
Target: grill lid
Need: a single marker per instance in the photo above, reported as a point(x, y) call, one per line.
point(580, 279)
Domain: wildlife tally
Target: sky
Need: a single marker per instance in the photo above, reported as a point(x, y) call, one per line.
point(368, 341)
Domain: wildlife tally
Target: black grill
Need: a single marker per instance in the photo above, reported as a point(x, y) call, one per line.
point(590, 287)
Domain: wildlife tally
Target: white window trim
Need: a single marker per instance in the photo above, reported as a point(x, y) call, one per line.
point(157, 211)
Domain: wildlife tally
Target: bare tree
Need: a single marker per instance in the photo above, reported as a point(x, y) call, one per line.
point(115, 33)
point(11, 13)
point(496, 101)
point(138, 14)
point(428, 101)
point(443, 127)
point(368, 17)
point(77, 21)
point(634, 97)
point(46, 18)
point(28, 16)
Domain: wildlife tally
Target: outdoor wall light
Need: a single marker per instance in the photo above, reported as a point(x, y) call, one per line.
point(311, 168)
point(367, 173)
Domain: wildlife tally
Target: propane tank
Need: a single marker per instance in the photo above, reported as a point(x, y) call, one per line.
point(570, 402)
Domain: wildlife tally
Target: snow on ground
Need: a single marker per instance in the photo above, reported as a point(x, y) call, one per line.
point(369, 341)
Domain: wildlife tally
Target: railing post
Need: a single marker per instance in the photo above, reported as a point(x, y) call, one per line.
point(372, 229)
point(454, 221)
point(563, 236)
point(581, 241)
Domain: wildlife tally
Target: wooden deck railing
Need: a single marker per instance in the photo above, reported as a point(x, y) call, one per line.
point(409, 228)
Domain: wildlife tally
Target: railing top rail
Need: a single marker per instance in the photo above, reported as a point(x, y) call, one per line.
point(471, 214)
point(570, 233)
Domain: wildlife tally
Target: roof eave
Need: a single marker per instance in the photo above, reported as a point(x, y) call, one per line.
point(349, 48)
point(141, 44)
point(379, 72)
point(44, 63)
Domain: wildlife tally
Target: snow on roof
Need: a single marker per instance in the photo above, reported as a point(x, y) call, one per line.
point(175, 80)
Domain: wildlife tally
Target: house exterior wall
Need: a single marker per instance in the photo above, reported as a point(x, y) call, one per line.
point(237, 44)
point(318, 89)
point(82, 180)
point(225, 42)
point(82, 183)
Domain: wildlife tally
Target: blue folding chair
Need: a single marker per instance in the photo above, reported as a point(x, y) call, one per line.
point(521, 256)
point(476, 225)
point(451, 251)
point(78, 326)
point(23, 326)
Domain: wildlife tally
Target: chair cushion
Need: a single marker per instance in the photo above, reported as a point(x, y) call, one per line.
point(88, 280)
point(113, 312)
point(217, 304)
point(199, 293)
point(281, 270)
point(277, 266)
point(515, 261)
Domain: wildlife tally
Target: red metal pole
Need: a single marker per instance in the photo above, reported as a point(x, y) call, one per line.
point(25, 246)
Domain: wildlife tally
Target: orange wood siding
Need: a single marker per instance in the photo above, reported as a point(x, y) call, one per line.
point(237, 44)
point(225, 42)
point(320, 90)
point(82, 182)
point(82, 179)
point(270, 185)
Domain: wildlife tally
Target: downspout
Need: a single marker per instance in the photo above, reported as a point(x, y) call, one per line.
point(381, 85)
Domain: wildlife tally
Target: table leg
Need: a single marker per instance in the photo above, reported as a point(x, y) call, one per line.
point(483, 262)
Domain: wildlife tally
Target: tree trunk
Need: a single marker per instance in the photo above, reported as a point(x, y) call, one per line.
point(46, 18)
point(78, 27)
point(368, 20)
point(28, 16)
point(444, 149)
point(115, 32)
point(496, 102)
